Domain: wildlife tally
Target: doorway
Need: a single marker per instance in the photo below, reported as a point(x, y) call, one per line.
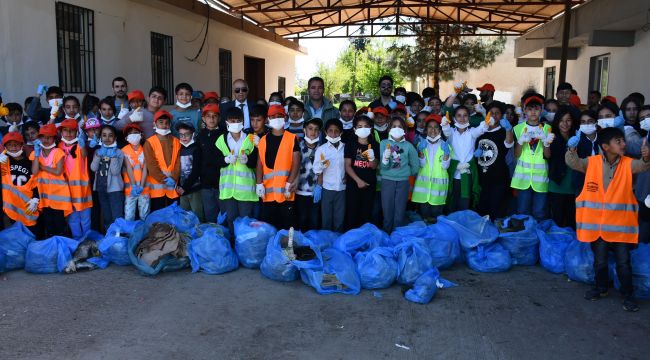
point(254, 75)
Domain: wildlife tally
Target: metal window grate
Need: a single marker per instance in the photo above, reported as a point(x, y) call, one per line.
point(75, 40)
point(282, 87)
point(225, 72)
point(162, 63)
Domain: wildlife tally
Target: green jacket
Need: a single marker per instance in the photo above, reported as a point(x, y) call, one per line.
point(406, 163)
point(329, 111)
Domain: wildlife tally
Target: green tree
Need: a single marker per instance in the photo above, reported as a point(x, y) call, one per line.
point(333, 76)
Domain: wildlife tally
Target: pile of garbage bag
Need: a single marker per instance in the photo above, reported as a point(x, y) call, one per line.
point(14, 241)
point(114, 247)
point(518, 235)
point(251, 239)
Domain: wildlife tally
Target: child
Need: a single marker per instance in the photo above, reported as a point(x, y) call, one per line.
point(162, 153)
point(136, 191)
point(210, 97)
point(47, 164)
point(190, 170)
point(399, 161)
point(491, 150)
point(277, 171)
point(380, 132)
point(258, 122)
point(561, 193)
point(347, 108)
point(432, 182)
point(76, 172)
point(237, 158)
point(606, 210)
point(54, 97)
point(184, 111)
point(90, 107)
point(307, 208)
point(107, 164)
point(136, 100)
point(296, 120)
point(361, 154)
point(14, 118)
point(30, 135)
point(144, 116)
point(71, 108)
point(107, 111)
point(91, 127)
point(464, 190)
point(19, 192)
point(329, 165)
point(420, 127)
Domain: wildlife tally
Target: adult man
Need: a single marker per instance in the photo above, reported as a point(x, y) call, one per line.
point(385, 90)
point(144, 117)
point(487, 94)
point(317, 106)
point(120, 89)
point(563, 93)
point(240, 93)
point(593, 100)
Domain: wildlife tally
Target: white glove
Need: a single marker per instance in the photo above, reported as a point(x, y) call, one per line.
point(524, 138)
point(647, 201)
point(231, 159)
point(54, 110)
point(123, 113)
point(538, 134)
point(371, 155)
point(256, 140)
point(548, 139)
point(259, 190)
point(410, 122)
point(445, 121)
point(136, 116)
point(3, 158)
point(32, 205)
point(243, 159)
point(287, 186)
point(386, 157)
point(13, 128)
point(463, 168)
point(480, 109)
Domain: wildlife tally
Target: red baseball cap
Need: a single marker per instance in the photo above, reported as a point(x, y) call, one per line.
point(69, 124)
point(535, 99)
point(162, 113)
point(575, 100)
point(130, 127)
point(276, 110)
point(486, 87)
point(136, 95)
point(400, 107)
point(47, 130)
point(609, 98)
point(12, 136)
point(380, 110)
point(211, 107)
point(211, 95)
point(433, 117)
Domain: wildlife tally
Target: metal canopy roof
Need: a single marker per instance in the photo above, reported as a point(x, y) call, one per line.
point(381, 18)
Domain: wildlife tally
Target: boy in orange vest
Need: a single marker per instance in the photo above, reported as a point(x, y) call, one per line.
point(162, 155)
point(607, 211)
point(278, 165)
point(136, 191)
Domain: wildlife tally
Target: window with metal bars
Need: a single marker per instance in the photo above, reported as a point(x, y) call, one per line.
point(282, 81)
point(225, 72)
point(75, 40)
point(162, 63)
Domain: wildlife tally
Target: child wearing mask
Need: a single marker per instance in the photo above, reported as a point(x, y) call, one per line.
point(184, 111)
point(361, 155)
point(209, 176)
point(329, 165)
point(162, 154)
point(307, 202)
point(296, 120)
point(399, 161)
point(92, 127)
point(30, 134)
point(347, 108)
point(190, 158)
point(14, 119)
point(432, 182)
point(107, 111)
point(71, 108)
point(136, 191)
point(561, 194)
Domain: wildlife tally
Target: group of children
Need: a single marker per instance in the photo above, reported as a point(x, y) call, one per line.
point(404, 151)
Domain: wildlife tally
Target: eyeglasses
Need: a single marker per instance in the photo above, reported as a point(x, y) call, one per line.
point(185, 135)
point(238, 90)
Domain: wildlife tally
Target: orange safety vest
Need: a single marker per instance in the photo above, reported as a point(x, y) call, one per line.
point(613, 214)
point(134, 158)
point(275, 179)
point(157, 189)
point(78, 180)
point(53, 189)
point(15, 198)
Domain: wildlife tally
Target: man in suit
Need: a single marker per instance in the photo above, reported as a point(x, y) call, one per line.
point(240, 92)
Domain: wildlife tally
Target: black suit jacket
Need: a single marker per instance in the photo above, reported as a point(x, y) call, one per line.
point(223, 109)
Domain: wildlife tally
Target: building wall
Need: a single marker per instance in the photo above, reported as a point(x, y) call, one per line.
point(28, 55)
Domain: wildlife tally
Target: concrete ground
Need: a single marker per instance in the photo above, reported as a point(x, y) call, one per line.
point(116, 313)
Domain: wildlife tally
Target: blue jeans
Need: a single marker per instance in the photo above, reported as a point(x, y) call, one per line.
point(79, 223)
point(210, 198)
point(530, 202)
point(112, 204)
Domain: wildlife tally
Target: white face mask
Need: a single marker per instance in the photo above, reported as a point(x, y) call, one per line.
point(286, 109)
point(114, 144)
point(15, 154)
point(461, 126)
point(188, 144)
point(427, 108)
point(235, 127)
point(134, 139)
point(645, 124)
point(362, 133)
point(58, 102)
point(276, 124)
point(549, 116)
point(396, 133)
point(311, 141)
point(381, 127)
point(426, 100)
point(48, 147)
point(455, 105)
point(332, 140)
point(433, 139)
point(401, 98)
point(420, 129)
point(297, 122)
point(107, 120)
point(271, 103)
point(183, 106)
point(69, 142)
point(162, 132)
point(347, 125)
point(588, 128)
point(606, 122)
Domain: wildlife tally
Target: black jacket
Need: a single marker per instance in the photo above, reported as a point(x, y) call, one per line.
point(191, 161)
point(209, 167)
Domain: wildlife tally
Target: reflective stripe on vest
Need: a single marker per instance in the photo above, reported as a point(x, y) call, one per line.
point(532, 169)
point(432, 182)
point(236, 181)
point(613, 214)
point(275, 179)
point(156, 188)
point(53, 190)
point(133, 158)
point(15, 198)
point(78, 180)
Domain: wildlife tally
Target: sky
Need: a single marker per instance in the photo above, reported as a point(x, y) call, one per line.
point(318, 50)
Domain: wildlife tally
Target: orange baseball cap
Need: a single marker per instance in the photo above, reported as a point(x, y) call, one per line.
point(162, 113)
point(433, 117)
point(69, 124)
point(380, 110)
point(135, 95)
point(130, 127)
point(486, 87)
point(211, 107)
point(47, 130)
point(575, 100)
point(12, 136)
point(211, 95)
point(609, 98)
point(276, 110)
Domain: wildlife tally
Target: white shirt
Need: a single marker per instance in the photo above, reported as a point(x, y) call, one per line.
point(334, 174)
point(235, 144)
point(247, 120)
point(463, 144)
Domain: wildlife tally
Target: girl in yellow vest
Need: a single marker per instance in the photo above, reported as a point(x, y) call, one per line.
point(532, 151)
point(47, 165)
point(162, 154)
point(75, 168)
point(607, 210)
point(136, 191)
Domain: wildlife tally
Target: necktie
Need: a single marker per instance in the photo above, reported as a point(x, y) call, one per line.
point(241, 106)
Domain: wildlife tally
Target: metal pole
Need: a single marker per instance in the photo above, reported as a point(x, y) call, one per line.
point(565, 40)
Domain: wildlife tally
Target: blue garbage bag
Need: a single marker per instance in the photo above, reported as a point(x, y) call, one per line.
point(50, 255)
point(377, 268)
point(413, 260)
point(426, 286)
point(553, 241)
point(276, 265)
point(640, 260)
point(251, 239)
point(114, 247)
point(3, 262)
point(444, 246)
point(579, 262)
point(218, 228)
point(522, 245)
point(211, 253)
point(166, 264)
point(489, 258)
point(364, 238)
point(338, 274)
point(413, 216)
point(321, 238)
point(184, 221)
point(416, 229)
point(13, 244)
point(473, 229)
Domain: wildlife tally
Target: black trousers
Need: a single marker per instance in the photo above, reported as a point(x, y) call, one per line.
point(308, 213)
point(53, 222)
point(160, 203)
point(281, 215)
point(493, 201)
point(359, 204)
point(621, 251)
point(563, 209)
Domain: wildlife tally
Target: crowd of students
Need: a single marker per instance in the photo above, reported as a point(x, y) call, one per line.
point(76, 166)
